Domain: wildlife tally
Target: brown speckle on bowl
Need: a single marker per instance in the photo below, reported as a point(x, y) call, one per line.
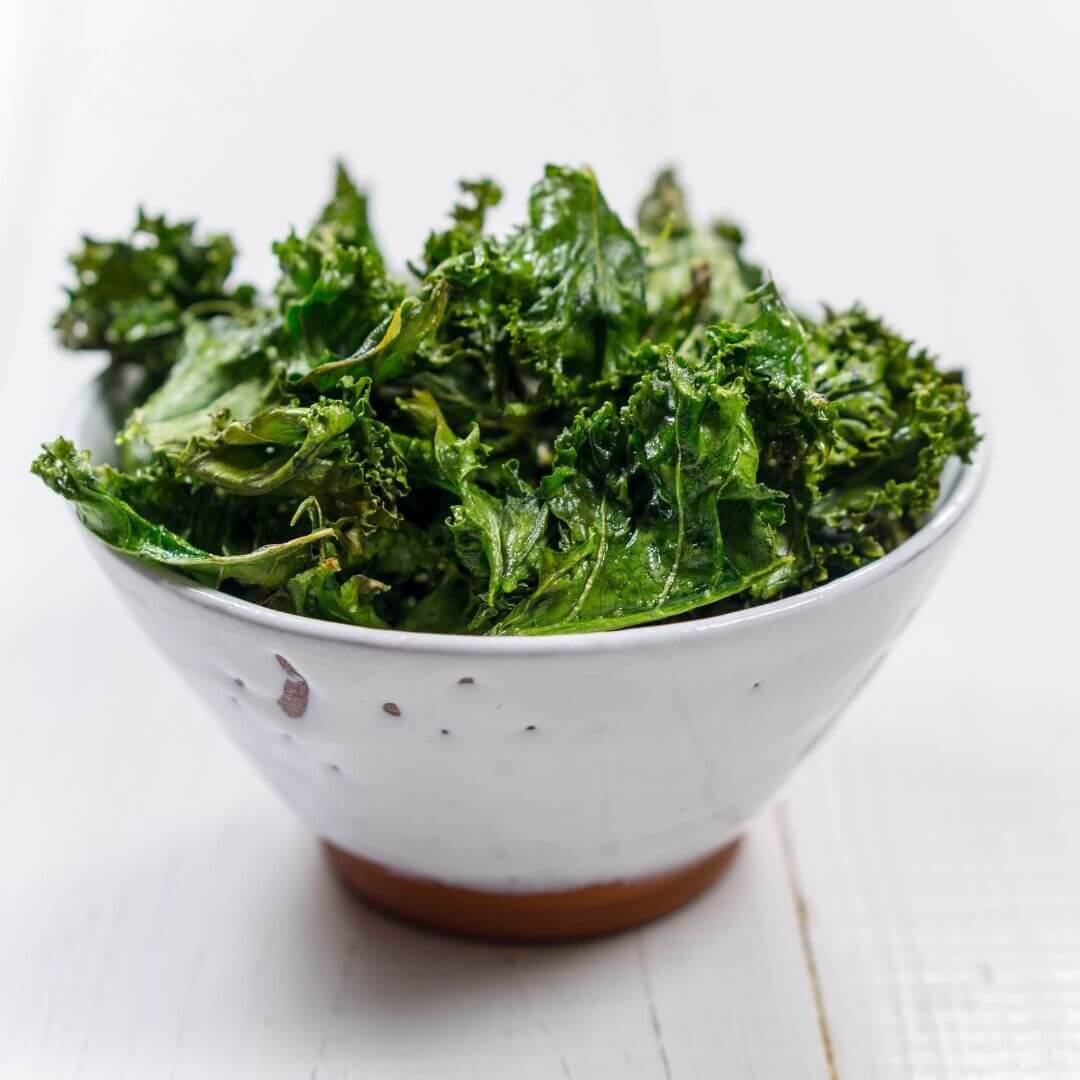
point(466, 680)
point(445, 731)
point(756, 685)
point(530, 727)
point(294, 694)
point(239, 682)
point(391, 708)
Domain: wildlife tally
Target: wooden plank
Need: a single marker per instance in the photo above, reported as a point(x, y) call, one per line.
point(729, 982)
point(938, 845)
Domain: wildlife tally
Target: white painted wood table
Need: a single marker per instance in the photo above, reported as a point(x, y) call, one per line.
point(911, 908)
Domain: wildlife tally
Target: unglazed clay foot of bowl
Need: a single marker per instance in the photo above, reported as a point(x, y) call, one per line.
point(557, 915)
point(531, 788)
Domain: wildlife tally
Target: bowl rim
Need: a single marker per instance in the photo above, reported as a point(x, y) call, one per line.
point(953, 507)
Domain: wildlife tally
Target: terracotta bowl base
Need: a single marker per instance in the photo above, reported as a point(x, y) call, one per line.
point(564, 915)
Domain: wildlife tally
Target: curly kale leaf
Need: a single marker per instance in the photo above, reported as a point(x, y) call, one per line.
point(334, 451)
point(499, 521)
point(334, 289)
point(695, 276)
point(567, 428)
point(791, 420)
point(322, 593)
point(202, 514)
point(466, 364)
point(273, 448)
point(389, 351)
point(332, 298)
point(69, 473)
point(222, 367)
point(344, 219)
point(579, 275)
point(131, 296)
point(896, 419)
point(468, 228)
point(659, 505)
point(425, 587)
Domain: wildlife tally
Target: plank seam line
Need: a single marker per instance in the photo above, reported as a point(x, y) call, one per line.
point(654, 1015)
point(802, 917)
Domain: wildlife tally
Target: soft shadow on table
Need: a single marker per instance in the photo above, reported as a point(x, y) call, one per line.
point(389, 967)
point(236, 928)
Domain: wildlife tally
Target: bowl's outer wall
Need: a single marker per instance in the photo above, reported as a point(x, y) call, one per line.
point(554, 771)
point(611, 756)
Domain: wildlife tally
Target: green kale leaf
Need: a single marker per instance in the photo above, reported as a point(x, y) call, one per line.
point(131, 297)
point(221, 367)
point(569, 427)
point(69, 473)
point(579, 275)
point(659, 505)
point(389, 349)
point(321, 593)
point(896, 419)
point(695, 277)
point(334, 289)
point(468, 228)
point(497, 526)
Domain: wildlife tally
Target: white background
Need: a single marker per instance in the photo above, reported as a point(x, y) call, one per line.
point(162, 916)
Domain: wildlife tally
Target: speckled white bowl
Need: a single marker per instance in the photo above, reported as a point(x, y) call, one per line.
point(532, 764)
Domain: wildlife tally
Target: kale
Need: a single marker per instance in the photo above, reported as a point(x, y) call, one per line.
point(133, 297)
point(896, 419)
point(334, 289)
point(69, 473)
point(572, 427)
point(694, 277)
point(658, 505)
point(578, 276)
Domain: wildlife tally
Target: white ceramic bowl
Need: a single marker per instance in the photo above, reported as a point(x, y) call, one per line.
point(532, 765)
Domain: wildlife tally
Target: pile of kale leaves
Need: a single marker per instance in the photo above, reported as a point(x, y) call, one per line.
point(573, 427)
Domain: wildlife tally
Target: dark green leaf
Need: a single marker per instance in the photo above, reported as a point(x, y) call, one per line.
point(70, 473)
point(468, 225)
point(130, 296)
point(660, 507)
point(344, 219)
point(896, 419)
point(389, 349)
point(561, 429)
point(321, 593)
point(580, 276)
point(221, 368)
point(497, 527)
point(695, 276)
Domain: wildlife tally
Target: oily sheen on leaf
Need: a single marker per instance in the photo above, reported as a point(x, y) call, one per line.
point(564, 426)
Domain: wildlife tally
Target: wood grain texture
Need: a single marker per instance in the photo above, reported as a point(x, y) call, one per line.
point(230, 951)
point(942, 852)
